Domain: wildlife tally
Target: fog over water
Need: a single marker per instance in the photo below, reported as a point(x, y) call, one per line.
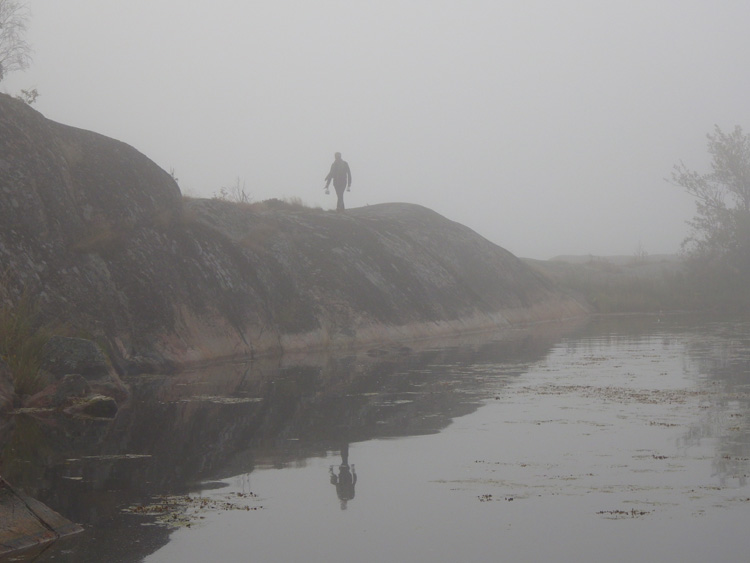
point(547, 127)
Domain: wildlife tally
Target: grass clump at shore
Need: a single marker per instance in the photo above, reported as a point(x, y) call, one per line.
point(22, 339)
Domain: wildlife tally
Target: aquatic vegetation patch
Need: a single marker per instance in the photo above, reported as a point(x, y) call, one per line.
point(222, 400)
point(185, 511)
point(621, 514)
point(489, 498)
point(620, 394)
point(113, 457)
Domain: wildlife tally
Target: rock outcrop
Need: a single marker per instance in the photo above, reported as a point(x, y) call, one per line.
point(106, 241)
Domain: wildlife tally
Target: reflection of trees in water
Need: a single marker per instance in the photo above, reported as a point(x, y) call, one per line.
point(179, 431)
point(621, 330)
point(720, 355)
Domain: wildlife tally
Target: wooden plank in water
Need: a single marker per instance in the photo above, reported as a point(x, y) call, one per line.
point(25, 522)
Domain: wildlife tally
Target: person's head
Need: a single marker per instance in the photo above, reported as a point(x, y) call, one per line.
point(337, 156)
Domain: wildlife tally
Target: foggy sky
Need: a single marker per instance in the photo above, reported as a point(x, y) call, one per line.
point(548, 127)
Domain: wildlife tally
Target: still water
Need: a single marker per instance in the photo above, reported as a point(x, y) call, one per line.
point(622, 439)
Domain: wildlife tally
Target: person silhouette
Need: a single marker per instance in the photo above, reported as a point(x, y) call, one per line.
point(345, 480)
point(342, 179)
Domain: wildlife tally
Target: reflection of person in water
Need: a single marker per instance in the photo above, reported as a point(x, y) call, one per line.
point(346, 479)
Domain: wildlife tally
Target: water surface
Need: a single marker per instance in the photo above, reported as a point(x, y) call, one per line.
point(624, 439)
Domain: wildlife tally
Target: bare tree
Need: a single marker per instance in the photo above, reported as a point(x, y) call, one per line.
point(640, 255)
point(15, 53)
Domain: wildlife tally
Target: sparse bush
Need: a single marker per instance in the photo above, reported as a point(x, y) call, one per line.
point(235, 193)
point(28, 96)
point(718, 283)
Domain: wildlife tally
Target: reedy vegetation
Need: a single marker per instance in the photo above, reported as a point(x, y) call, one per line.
point(22, 339)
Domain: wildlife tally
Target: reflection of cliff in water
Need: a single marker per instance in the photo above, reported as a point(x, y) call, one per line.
point(180, 431)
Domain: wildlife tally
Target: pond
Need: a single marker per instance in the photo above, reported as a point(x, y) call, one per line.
point(617, 439)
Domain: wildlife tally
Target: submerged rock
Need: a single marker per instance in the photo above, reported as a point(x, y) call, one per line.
point(97, 406)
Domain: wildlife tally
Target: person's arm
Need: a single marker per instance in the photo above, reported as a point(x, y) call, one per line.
point(348, 176)
point(329, 177)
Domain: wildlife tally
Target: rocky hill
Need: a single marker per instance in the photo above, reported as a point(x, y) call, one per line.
point(106, 242)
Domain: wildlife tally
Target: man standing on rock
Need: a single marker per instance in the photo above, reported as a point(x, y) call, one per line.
point(342, 179)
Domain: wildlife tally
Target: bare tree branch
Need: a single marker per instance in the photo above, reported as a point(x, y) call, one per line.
point(15, 52)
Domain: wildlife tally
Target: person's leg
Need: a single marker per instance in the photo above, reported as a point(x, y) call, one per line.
point(345, 455)
point(340, 202)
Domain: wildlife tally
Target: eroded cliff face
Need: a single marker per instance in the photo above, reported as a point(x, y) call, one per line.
point(106, 241)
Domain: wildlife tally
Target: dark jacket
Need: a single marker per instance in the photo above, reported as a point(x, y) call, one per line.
point(340, 174)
